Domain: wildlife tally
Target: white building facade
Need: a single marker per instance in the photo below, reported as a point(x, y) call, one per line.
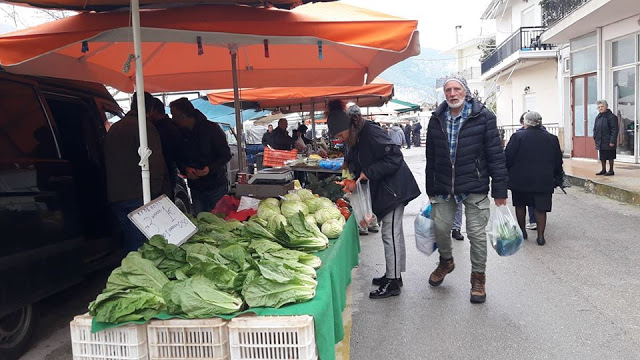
point(600, 60)
point(522, 73)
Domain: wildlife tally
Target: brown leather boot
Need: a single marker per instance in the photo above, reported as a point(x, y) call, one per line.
point(444, 267)
point(478, 294)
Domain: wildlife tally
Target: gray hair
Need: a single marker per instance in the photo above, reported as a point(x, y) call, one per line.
point(602, 102)
point(532, 119)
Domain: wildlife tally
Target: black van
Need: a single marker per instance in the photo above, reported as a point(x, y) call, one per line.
point(55, 225)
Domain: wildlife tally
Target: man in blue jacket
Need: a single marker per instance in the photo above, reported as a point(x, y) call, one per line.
point(463, 151)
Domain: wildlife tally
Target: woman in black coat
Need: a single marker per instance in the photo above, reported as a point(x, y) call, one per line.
point(373, 157)
point(534, 162)
point(605, 134)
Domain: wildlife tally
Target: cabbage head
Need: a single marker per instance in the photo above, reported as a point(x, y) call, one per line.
point(305, 194)
point(292, 207)
point(327, 213)
point(313, 204)
point(332, 228)
point(292, 197)
point(267, 210)
point(271, 201)
point(326, 203)
point(275, 222)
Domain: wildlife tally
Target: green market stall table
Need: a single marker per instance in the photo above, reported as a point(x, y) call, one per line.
point(334, 276)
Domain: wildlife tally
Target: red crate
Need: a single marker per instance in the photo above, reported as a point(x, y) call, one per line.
point(276, 158)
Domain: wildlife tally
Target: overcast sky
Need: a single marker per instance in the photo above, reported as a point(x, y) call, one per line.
point(436, 18)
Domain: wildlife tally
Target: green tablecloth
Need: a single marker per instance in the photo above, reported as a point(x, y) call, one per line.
point(331, 294)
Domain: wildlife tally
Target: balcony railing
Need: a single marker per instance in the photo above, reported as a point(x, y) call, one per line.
point(526, 38)
point(556, 10)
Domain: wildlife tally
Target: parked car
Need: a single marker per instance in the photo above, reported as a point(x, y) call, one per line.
point(54, 216)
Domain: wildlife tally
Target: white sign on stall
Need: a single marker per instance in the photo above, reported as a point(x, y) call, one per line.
point(162, 217)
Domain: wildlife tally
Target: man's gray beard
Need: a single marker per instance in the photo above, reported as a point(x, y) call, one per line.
point(457, 105)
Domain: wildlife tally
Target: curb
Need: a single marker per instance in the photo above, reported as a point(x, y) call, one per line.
point(609, 191)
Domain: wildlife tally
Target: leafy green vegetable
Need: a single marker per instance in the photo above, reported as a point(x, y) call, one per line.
point(332, 228)
point(328, 213)
point(293, 197)
point(299, 234)
point(275, 222)
point(198, 297)
point(305, 194)
point(268, 210)
point(313, 204)
point(267, 293)
point(292, 207)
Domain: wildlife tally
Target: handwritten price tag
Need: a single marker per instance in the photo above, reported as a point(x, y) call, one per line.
point(162, 217)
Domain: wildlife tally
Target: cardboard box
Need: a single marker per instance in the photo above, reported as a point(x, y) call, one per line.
point(262, 191)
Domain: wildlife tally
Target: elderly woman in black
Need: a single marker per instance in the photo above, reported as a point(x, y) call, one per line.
point(534, 162)
point(373, 157)
point(605, 133)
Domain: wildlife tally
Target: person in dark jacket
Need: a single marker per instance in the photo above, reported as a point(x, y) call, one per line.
point(124, 182)
point(534, 162)
point(416, 134)
point(407, 135)
point(605, 134)
point(530, 210)
point(267, 138)
point(204, 157)
point(281, 139)
point(171, 139)
point(374, 157)
point(463, 152)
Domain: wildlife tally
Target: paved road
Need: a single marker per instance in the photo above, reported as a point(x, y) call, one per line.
point(574, 298)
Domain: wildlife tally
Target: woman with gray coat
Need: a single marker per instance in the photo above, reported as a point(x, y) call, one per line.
point(605, 134)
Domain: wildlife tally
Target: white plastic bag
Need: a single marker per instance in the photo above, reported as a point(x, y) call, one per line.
point(360, 200)
point(425, 231)
point(247, 202)
point(506, 235)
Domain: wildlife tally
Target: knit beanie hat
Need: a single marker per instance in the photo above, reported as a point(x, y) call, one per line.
point(337, 119)
point(460, 80)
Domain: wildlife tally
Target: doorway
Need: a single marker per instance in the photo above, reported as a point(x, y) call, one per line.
point(584, 94)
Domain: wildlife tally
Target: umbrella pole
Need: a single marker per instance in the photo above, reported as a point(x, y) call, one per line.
point(233, 50)
point(143, 150)
point(313, 125)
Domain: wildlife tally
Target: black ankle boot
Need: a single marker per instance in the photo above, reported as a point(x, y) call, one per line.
point(390, 288)
point(383, 279)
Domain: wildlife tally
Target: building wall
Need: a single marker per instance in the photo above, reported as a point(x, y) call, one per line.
point(512, 19)
point(542, 80)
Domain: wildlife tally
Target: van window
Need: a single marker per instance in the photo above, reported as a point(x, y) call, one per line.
point(24, 130)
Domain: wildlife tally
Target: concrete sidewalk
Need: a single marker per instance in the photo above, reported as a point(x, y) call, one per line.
point(624, 186)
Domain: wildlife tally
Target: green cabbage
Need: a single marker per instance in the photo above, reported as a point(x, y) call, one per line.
point(326, 203)
point(313, 204)
point(267, 210)
point(327, 213)
point(332, 228)
point(270, 201)
point(305, 194)
point(292, 197)
point(292, 207)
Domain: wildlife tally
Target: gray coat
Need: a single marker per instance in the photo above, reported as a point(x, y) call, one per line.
point(605, 130)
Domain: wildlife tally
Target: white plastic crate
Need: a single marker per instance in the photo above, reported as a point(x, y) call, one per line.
point(272, 338)
point(122, 343)
point(176, 339)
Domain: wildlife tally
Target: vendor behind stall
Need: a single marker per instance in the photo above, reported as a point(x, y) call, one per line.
point(204, 156)
point(281, 139)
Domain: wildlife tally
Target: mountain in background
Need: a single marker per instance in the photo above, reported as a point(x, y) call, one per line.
point(414, 79)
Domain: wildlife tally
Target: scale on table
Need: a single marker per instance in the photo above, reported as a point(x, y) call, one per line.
point(279, 175)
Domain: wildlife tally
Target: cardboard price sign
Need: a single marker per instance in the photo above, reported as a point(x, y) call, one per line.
point(162, 217)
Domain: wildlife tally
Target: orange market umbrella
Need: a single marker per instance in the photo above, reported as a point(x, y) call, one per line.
point(324, 44)
point(304, 98)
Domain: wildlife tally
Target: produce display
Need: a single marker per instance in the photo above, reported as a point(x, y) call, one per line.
point(226, 266)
